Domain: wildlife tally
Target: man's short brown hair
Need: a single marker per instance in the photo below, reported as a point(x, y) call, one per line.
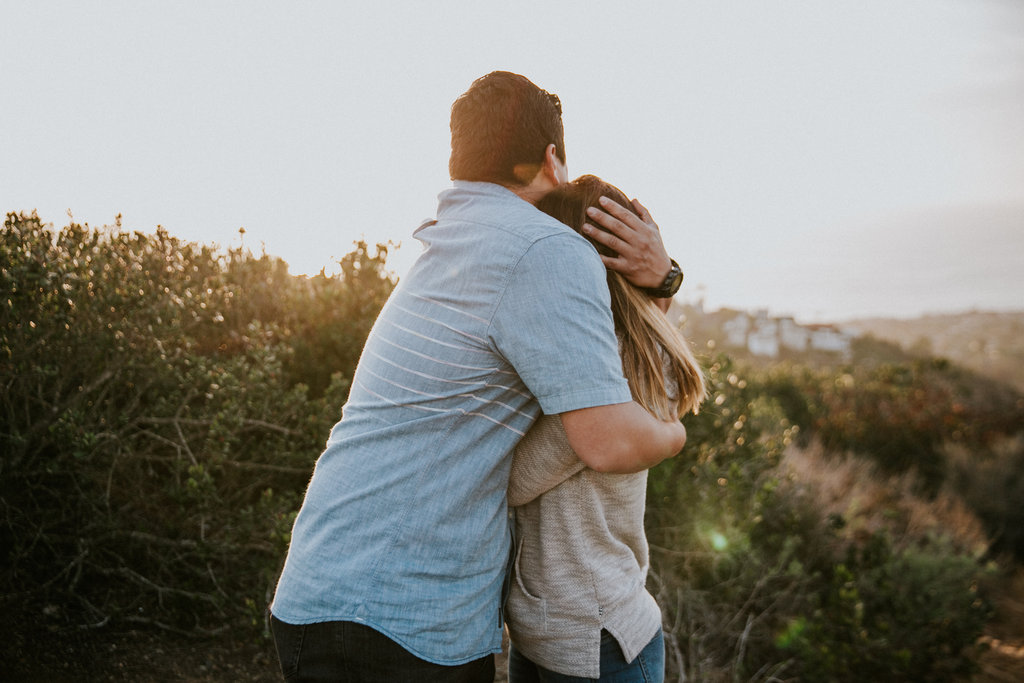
point(501, 122)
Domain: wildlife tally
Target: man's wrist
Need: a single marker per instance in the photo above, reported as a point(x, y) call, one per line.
point(670, 284)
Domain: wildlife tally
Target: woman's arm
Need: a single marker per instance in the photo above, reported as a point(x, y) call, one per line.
point(542, 460)
point(619, 438)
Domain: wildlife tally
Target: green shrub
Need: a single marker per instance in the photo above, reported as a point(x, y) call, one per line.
point(164, 403)
point(756, 584)
point(899, 415)
point(991, 481)
point(155, 432)
point(891, 616)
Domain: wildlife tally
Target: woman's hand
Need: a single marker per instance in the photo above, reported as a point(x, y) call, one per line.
point(642, 258)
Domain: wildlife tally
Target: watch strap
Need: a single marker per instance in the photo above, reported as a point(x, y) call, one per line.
point(670, 285)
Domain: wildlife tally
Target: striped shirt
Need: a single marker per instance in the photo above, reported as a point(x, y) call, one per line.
point(404, 525)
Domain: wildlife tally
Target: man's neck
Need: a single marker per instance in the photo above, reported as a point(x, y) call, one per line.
point(535, 190)
point(529, 193)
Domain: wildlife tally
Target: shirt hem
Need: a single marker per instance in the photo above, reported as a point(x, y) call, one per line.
point(397, 639)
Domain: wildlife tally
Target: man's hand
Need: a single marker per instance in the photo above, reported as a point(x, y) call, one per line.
point(642, 258)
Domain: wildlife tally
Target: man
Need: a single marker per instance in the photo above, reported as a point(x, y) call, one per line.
point(399, 553)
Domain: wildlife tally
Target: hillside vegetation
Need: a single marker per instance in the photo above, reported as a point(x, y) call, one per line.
point(164, 403)
point(991, 343)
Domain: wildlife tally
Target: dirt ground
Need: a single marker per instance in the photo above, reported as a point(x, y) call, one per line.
point(1004, 661)
point(42, 651)
point(136, 656)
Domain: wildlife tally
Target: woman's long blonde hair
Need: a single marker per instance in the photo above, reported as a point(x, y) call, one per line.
point(653, 351)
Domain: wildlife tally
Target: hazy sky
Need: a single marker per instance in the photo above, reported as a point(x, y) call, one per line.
point(823, 159)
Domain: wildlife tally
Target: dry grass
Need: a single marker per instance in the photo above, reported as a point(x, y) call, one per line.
point(869, 502)
point(1005, 636)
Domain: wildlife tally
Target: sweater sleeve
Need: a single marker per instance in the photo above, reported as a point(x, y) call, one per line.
point(542, 460)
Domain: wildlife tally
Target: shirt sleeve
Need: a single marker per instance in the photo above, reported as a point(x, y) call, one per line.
point(543, 459)
point(554, 325)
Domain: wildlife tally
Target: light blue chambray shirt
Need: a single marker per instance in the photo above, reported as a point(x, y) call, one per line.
point(404, 526)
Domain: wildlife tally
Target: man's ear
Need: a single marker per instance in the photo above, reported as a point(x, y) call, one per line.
point(539, 179)
point(554, 168)
point(550, 172)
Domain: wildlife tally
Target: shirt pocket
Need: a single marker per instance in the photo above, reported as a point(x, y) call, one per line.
point(525, 611)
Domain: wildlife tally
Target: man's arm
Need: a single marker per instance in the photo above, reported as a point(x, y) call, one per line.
point(555, 327)
point(622, 437)
point(642, 258)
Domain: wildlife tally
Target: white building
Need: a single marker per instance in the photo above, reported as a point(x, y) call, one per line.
point(762, 335)
point(736, 330)
point(792, 336)
point(828, 338)
point(763, 340)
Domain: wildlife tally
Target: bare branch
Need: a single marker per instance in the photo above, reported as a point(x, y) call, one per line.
point(195, 422)
point(195, 631)
point(259, 466)
point(161, 590)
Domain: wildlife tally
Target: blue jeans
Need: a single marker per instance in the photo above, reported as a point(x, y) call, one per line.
point(648, 667)
point(345, 651)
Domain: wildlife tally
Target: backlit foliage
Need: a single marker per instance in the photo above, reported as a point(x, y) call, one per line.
point(760, 580)
point(163, 403)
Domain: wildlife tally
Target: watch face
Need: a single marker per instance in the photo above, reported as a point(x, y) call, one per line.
point(674, 280)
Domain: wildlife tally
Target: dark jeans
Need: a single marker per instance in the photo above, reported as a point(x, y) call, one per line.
point(648, 667)
point(353, 653)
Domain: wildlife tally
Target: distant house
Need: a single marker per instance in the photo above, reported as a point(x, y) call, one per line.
point(829, 338)
point(793, 336)
point(763, 340)
point(765, 336)
point(736, 330)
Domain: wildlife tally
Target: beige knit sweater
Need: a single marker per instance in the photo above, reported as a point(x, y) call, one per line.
point(581, 557)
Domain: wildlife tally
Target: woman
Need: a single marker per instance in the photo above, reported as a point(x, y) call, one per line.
point(578, 608)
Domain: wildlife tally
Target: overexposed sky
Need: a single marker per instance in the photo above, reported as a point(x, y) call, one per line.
point(825, 159)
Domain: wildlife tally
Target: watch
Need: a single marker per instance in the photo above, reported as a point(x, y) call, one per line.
point(673, 281)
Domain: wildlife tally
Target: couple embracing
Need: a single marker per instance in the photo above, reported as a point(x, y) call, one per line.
point(489, 468)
